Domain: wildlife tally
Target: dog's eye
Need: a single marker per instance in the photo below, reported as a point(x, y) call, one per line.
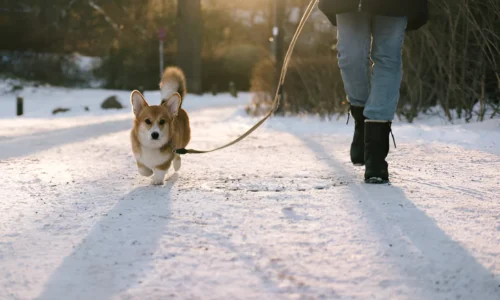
point(161, 122)
point(148, 121)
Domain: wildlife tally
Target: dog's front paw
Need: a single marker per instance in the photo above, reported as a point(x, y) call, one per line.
point(177, 162)
point(157, 181)
point(158, 177)
point(145, 171)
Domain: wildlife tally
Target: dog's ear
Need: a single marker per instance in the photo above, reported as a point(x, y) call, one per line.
point(173, 104)
point(138, 102)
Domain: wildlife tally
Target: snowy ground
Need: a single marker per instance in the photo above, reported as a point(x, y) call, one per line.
point(282, 215)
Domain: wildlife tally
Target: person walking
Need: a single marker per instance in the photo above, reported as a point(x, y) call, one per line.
point(370, 35)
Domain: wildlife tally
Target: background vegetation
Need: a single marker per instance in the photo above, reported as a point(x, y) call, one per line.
point(452, 63)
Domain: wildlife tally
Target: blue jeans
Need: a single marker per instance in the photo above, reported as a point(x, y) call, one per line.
point(374, 86)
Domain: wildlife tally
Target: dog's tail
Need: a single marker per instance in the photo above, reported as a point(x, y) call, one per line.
point(172, 81)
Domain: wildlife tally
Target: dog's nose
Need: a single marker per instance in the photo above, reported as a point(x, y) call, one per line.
point(155, 135)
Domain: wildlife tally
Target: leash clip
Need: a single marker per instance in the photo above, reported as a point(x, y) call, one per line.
point(174, 151)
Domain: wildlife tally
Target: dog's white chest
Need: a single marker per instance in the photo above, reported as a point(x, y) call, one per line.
point(152, 158)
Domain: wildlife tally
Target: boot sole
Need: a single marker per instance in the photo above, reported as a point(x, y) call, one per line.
point(358, 164)
point(376, 180)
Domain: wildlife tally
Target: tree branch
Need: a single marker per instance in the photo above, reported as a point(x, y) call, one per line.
point(103, 13)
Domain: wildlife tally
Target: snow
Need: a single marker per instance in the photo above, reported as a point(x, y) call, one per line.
point(86, 63)
point(281, 215)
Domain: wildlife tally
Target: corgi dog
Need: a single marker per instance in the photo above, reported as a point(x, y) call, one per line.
point(160, 129)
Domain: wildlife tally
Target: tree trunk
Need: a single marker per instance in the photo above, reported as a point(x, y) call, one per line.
point(279, 16)
point(189, 39)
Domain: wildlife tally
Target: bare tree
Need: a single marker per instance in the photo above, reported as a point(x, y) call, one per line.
point(279, 36)
point(189, 39)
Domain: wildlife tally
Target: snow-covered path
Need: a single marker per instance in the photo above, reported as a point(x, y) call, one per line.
point(282, 215)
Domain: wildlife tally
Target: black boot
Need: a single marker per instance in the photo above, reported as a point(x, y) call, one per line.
point(376, 150)
point(358, 142)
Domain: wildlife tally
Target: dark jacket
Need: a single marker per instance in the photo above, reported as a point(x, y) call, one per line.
point(415, 10)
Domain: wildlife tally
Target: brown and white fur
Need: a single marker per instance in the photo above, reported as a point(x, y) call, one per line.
point(158, 129)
